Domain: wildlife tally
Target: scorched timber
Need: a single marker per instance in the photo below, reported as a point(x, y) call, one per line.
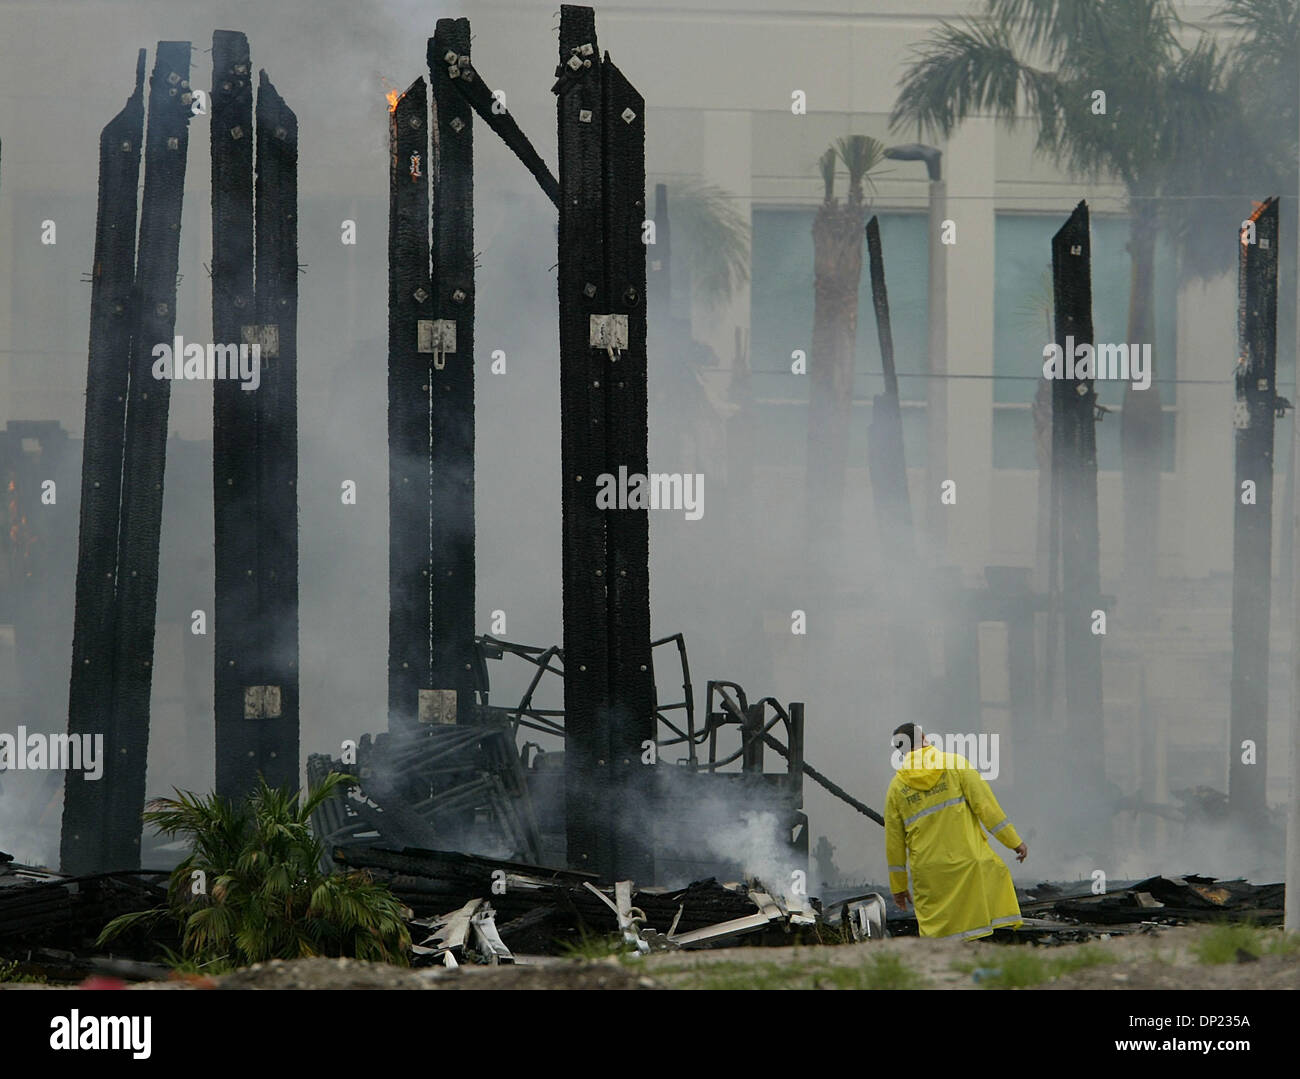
point(1252, 535)
point(410, 295)
point(627, 532)
point(276, 399)
point(451, 401)
point(111, 316)
point(1074, 473)
point(237, 630)
point(589, 789)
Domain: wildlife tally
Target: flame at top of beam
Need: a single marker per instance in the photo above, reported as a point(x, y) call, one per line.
point(391, 93)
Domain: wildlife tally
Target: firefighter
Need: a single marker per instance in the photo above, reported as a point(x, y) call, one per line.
point(933, 812)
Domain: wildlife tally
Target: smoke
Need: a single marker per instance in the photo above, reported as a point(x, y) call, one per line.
point(872, 651)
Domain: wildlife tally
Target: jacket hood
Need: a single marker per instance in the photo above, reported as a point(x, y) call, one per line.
point(921, 768)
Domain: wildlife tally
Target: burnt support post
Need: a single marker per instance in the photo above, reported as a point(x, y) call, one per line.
point(627, 532)
point(888, 465)
point(451, 378)
point(1074, 467)
point(145, 453)
point(275, 723)
point(587, 747)
point(1252, 539)
point(609, 706)
point(887, 460)
point(255, 426)
point(236, 628)
point(84, 833)
point(410, 369)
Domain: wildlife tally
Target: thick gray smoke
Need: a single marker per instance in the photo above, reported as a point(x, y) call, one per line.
point(867, 653)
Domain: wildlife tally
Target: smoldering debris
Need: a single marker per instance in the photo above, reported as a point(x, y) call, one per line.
point(468, 907)
point(49, 921)
point(1175, 900)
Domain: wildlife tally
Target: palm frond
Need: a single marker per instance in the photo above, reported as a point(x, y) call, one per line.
point(1272, 25)
point(826, 164)
point(715, 235)
point(861, 155)
point(123, 922)
point(962, 69)
point(1050, 26)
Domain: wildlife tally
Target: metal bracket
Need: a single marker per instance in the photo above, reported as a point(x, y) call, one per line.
point(630, 918)
point(608, 332)
point(1240, 415)
point(436, 335)
point(490, 945)
point(437, 706)
point(268, 337)
point(262, 702)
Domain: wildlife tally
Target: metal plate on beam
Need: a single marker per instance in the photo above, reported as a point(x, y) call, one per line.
point(267, 337)
point(437, 706)
point(608, 331)
point(262, 702)
point(435, 335)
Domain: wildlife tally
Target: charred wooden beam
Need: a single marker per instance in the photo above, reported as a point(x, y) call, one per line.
point(276, 728)
point(888, 461)
point(469, 84)
point(410, 371)
point(451, 402)
point(145, 450)
point(888, 465)
point(1252, 538)
point(112, 308)
point(627, 530)
point(236, 627)
point(581, 118)
point(1074, 467)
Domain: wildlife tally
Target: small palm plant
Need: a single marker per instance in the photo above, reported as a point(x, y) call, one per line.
point(253, 889)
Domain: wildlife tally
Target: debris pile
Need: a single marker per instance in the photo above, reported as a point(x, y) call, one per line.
point(466, 905)
point(1173, 900)
point(51, 920)
point(435, 786)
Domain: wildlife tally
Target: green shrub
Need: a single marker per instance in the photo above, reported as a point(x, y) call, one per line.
point(253, 889)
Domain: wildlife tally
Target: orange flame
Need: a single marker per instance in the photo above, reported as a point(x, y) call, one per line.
point(391, 94)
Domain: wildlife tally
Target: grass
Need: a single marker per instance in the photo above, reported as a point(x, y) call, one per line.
point(593, 946)
point(9, 972)
point(1225, 943)
point(1020, 968)
point(1285, 945)
point(1222, 943)
point(878, 972)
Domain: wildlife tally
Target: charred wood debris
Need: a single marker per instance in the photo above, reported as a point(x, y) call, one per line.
point(470, 909)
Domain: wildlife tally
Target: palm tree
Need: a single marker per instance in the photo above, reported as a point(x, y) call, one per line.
point(264, 894)
point(715, 237)
point(712, 244)
point(1170, 110)
point(837, 261)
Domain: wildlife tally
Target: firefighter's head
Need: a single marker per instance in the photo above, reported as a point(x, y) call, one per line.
point(907, 737)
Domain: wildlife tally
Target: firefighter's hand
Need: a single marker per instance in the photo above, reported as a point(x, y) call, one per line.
point(1022, 852)
point(901, 900)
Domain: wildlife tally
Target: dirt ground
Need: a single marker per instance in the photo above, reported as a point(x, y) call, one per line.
point(1165, 959)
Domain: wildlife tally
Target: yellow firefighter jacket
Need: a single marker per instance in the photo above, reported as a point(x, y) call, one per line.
point(933, 811)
